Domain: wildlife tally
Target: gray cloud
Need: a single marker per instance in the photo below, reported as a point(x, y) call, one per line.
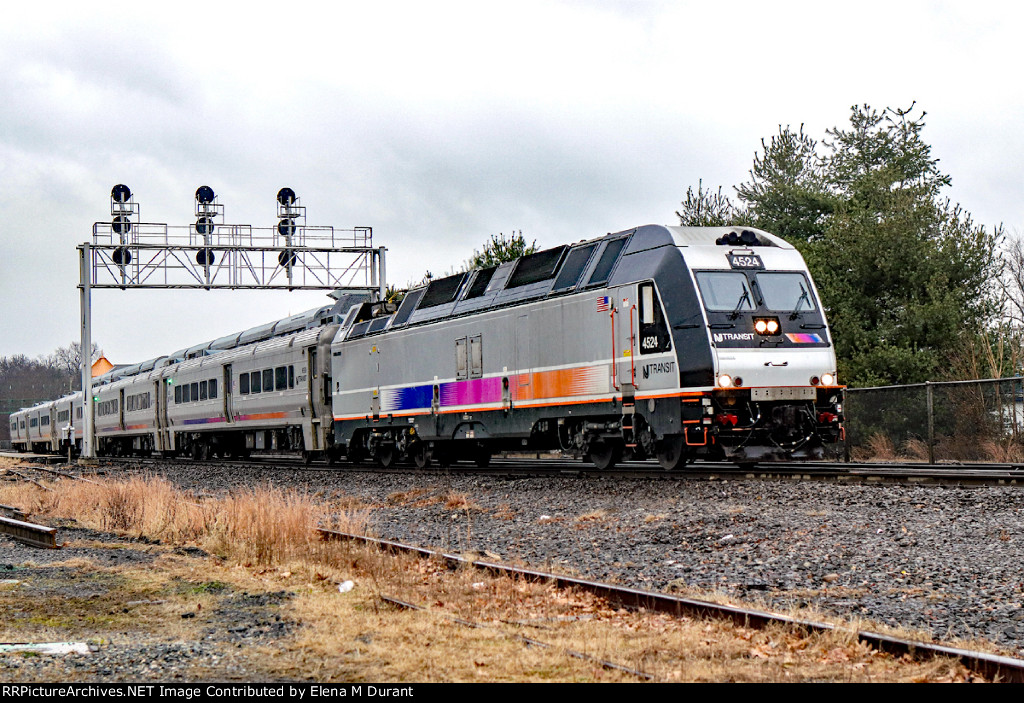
point(440, 124)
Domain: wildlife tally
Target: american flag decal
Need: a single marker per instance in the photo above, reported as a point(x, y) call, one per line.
point(604, 304)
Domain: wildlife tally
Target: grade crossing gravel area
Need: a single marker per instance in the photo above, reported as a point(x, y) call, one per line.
point(945, 560)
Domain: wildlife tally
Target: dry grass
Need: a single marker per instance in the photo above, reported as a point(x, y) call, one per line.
point(460, 501)
point(1002, 452)
point(266, 542)
point(599, 515)
point(878, 448)
point(916, 449)
point(261, 525)
point(358, 643)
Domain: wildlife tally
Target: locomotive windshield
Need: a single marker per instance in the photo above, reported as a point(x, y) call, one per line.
point(785, 292)
point(725, 291)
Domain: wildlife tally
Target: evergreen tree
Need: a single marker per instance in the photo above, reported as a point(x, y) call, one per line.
point(707, 209)
point(904, 274)
point(499, 250)
point(787, 192)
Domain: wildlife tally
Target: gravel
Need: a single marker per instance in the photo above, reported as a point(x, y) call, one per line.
point(238, 621)
point(945, 560)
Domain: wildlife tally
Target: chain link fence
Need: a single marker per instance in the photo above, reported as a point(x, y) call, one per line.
point(955, 421)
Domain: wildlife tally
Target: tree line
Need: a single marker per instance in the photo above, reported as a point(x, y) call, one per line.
point(913, 288)
point(25, 381)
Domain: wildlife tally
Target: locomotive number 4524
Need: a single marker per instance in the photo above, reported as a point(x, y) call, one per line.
point(745, 261)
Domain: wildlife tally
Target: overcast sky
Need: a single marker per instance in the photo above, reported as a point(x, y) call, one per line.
point(442, 123)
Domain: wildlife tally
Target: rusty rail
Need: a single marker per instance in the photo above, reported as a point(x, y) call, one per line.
point(992, 666)
point(31, 534)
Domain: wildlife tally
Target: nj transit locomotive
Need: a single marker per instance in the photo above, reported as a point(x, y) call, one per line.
point(667, 342)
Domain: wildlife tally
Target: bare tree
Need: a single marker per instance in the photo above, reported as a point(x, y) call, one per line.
point(68, 361)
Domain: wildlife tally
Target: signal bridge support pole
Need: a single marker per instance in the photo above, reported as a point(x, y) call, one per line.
point(85, 287)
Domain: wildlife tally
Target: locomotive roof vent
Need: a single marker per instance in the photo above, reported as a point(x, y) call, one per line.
point(744, 238)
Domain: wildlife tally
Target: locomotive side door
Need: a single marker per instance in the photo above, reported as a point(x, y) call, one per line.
point(624, 321)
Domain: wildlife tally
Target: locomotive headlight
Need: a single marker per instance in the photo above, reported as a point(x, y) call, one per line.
point(766, 325)
point(725, 381)
point(828, 379)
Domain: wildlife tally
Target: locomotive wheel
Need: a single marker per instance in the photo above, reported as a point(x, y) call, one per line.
point(386, 456)
point(672, 453)
point(420, 455)
point(603, 454)
point(482, 458)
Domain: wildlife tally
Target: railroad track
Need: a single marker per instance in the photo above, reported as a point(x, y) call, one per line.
point(1001, 473)
point(840, 472)
point(992, 666)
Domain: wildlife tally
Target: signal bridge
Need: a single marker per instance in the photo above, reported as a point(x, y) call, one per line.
point(127, 253)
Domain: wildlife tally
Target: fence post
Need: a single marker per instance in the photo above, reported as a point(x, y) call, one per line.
point(931, 422)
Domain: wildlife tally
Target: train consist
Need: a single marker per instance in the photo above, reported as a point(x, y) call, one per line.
point(674, 343)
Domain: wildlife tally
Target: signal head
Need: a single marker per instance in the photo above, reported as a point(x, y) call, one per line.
point(120, 193)
point(286, 196)
point(204, 195)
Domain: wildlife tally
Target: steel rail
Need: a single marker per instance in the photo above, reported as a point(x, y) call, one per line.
point(29, 533)
point(62, 473)
point(1011, 475)
point(13, 512)
point(993, 666)
point(29, 479)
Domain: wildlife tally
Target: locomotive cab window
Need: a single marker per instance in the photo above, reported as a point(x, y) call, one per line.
point(785, 292)
point(725, 291)
point(654, 336)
